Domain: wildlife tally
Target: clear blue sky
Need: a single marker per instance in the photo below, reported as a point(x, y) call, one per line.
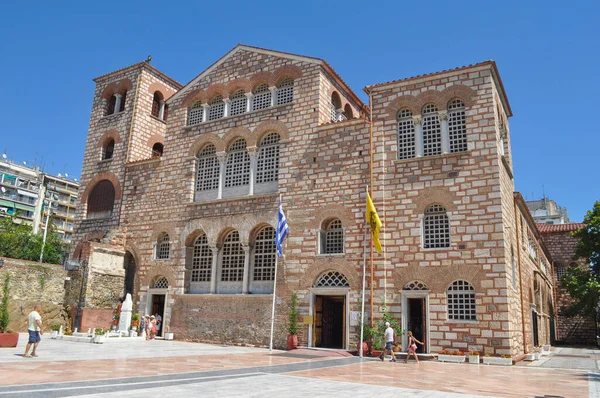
point(548, 54)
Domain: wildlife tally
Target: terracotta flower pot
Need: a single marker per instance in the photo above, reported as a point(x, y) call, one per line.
point(365, 347)
point(292, 341)
point(9, 339)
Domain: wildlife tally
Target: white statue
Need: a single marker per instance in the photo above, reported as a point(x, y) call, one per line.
point(125, 317)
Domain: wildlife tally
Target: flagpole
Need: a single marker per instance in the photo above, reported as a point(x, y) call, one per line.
point(362, 310)
point(371, 184)
point(274, 287)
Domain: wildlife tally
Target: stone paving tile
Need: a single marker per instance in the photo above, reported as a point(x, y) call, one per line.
point(460, 378)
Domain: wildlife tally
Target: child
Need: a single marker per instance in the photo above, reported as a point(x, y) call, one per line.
point(412, 347)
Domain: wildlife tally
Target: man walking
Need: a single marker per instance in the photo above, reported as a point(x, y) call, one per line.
point(388, 336)
point(34, 326)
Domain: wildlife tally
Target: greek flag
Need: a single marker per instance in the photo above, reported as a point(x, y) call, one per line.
point(282, 230)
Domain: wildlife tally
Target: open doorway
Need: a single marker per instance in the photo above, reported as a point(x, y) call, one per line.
point(416, 320)
point(158, 307)
point(329, 321)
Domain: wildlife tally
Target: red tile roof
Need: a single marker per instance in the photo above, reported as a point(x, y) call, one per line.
point(550, 228)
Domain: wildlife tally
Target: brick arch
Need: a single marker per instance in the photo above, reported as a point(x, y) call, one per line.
point(105, 175)
point(240, 83)
point(322, 265)
point(216, 89)
point(164, 90)
point(430, 97)
point(238, 132)
point(124, 84)
point(434, 195)
point(136, 257)
point(254, 231)
point(109, 91)
point(114, 134)
point(466, 94)
point(159, 270)
point(334, 211)
point(154, 138)
point(189, 238)
point(402, 102)
point(260, 78)
point(438, 279)
point(226, 230)
point(269, 126)
point(206, 139)
point(192, 97)
point(160, 228)
point(291, 71)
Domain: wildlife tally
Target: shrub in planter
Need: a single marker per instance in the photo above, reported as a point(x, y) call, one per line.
point(7, 338)
point(99, 336)
point(292, 338)
point(135, 320)
point(55, 328)
point(474, 357)
point(379, 329)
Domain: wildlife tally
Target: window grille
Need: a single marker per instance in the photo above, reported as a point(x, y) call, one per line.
point(532, 246)
point(108, 150)
point(334, 237)
point(201, 260)
point(217, 108)
point(102, 198)
point(461, 301)
point(233, 258)
point(161, 283)
point(264, 255)
point(285, 91)
point(262, 97)
point(432, 131)
point(332, 279)
point(415, 285)
point(406, 135)
point(207, 175)
point(457, 126)
point(267, 168)
point(195, 114)
point(332, 112)
point(237, 169)
point(436, 228)
point(238, 103)
point(163, 247)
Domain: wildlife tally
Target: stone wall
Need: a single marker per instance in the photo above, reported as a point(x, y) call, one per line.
point(30, 283)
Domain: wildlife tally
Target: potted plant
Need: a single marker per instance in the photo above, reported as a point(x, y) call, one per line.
point(367, 339)
point(292, 338)
point(505, 360)
point(99, 336)
point(451, 356)
point(55, 328)
point(474, 357)
point(7, 338)
point(396, 347)
point(135, 321)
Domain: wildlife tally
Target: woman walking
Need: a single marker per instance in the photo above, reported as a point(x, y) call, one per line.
point(412, 347)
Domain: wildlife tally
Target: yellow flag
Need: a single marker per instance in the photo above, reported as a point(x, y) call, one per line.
point(374, 222)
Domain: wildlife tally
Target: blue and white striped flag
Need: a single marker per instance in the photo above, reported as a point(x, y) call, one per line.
point(282, 230)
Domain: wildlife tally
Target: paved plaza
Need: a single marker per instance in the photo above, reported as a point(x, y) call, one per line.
point(175, 369)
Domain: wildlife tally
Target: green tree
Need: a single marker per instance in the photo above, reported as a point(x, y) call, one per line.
point(18, 241)
point(583, 283)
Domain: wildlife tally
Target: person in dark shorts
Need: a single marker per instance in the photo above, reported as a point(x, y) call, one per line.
point(389, 338)
point(34, 327)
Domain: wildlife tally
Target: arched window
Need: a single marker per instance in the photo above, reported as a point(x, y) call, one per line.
point(195, 113)
point(332, 279)
point(457, 126)
point(161, 283)
point(108, 149)
point(207, 175)
point(237, 169)
point(262, 97)
point(217, 108)
point(123, 101)
point(285, 91)
point(348, 112)
point(561, 270)
point(415, 285)
point(110, 106)
point(157, 150)
point(201, 260)
point(267, 168)
point(101, 200)
point(163, 247)
point(264, 255)
point(460, 297)
point(432, 132)
point(334, 105)
point(238, 103)
point(406, 135)
point(436, 228)
point(232, 260)
point(156, 102)
point(332, 237)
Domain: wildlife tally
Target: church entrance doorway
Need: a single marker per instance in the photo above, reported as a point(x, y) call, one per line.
point(415, 314)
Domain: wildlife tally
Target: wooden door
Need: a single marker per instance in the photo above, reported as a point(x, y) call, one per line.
point(318, 321)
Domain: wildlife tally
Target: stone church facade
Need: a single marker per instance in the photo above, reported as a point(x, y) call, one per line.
point(180, 189)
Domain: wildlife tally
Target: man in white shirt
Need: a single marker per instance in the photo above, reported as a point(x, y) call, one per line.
point(389, 342)
point(34, 327)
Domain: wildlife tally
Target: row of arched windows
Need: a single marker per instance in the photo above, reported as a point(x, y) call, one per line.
point(337, 113)
point(116, 103)
point(238, 171)
point(433, 132)
point(238, 102)
point(108, 149)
